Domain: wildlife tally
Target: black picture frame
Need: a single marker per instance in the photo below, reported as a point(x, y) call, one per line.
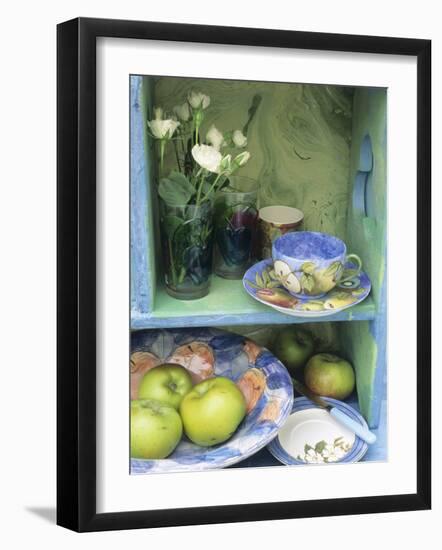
point(76, 273)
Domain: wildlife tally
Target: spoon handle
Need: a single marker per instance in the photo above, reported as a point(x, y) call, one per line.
point(353, 426)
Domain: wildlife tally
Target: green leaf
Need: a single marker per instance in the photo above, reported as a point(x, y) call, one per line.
point(176, 189)
point(308, 267)
point(170, 224)
point(307, 282)
point(307, 448)
point(273, 284)
point(320, 446)
point(266, 277)
point(332, 269)
point(206, 188)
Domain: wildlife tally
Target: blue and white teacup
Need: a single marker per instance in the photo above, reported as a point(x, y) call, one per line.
point(311, 264)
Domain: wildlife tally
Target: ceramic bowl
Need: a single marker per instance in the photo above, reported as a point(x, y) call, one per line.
point(311, 435)
point(311, 264)
point(208, 352)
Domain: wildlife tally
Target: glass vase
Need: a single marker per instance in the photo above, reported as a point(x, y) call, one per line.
point(187, 244)
point(236, 217)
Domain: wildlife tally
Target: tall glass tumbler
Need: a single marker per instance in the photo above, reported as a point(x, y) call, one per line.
point(187, 243)
point(236, 219)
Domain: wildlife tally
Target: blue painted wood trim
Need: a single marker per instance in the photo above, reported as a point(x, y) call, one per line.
point(142, 285)
point(140, 321)
point(378, 328)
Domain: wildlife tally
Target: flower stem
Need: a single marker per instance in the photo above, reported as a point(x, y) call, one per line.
point(172, 263)
point(176, 155)
point(200, 187)
point(212, 186)
point(162, 147)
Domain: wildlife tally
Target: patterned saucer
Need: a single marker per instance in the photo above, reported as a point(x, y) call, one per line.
point(260, 283)
point(311, 435)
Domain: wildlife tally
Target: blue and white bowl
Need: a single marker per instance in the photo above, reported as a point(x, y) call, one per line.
point(213, 352)
point(309, 425)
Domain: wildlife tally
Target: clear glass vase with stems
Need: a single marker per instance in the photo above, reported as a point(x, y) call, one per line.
point(187, 244)
point(236, 217)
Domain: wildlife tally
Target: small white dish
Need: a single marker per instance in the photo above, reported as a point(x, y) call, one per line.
point(311, 435)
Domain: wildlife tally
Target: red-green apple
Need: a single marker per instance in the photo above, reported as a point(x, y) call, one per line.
point(293, 347)
point(329, 375)
point(166, 383)
point(155, 429)
point(212, 411)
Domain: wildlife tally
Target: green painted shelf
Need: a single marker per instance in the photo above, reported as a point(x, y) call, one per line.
point(229, 304)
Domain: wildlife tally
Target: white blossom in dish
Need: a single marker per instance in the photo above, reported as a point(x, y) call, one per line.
point(339, 452)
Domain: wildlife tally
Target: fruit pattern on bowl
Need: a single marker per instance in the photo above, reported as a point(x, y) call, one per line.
point(262, 283)
point(205, 353)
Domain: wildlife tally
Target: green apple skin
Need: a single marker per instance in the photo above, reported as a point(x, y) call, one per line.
point(166, 383)
point(212, 411)
point(329, 375)
point(293, 347)
point(155, 429)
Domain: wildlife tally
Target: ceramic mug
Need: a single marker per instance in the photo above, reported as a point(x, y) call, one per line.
point(275, 221)
point(311, 264)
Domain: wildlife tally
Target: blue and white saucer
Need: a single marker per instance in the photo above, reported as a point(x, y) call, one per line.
point(311, 435)
point(260, 285)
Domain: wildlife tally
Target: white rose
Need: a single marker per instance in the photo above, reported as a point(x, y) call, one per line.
point(242, 158)
point(239, 139)
point(198, 100)
point(163, 129)
point(215, 137)
point(207, 157)
point(226, 164)
point(182, 111)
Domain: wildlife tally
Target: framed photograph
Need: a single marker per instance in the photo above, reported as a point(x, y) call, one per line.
point(244, 303)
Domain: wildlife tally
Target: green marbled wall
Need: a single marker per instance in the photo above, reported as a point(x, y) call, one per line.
point(299, 139)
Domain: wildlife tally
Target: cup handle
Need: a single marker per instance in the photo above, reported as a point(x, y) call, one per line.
point(358, 269)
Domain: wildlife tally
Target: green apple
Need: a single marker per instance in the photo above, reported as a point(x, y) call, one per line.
point(166, 383)
point(155, 429)
point(329, 375)
point(293, 346)
point(212, 411)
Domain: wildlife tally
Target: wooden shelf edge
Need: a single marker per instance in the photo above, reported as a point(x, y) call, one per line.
point(366, 311)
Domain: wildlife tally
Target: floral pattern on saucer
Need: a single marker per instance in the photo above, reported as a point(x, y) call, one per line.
point(261, 284)
point(207, 352)
point(303, 406)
